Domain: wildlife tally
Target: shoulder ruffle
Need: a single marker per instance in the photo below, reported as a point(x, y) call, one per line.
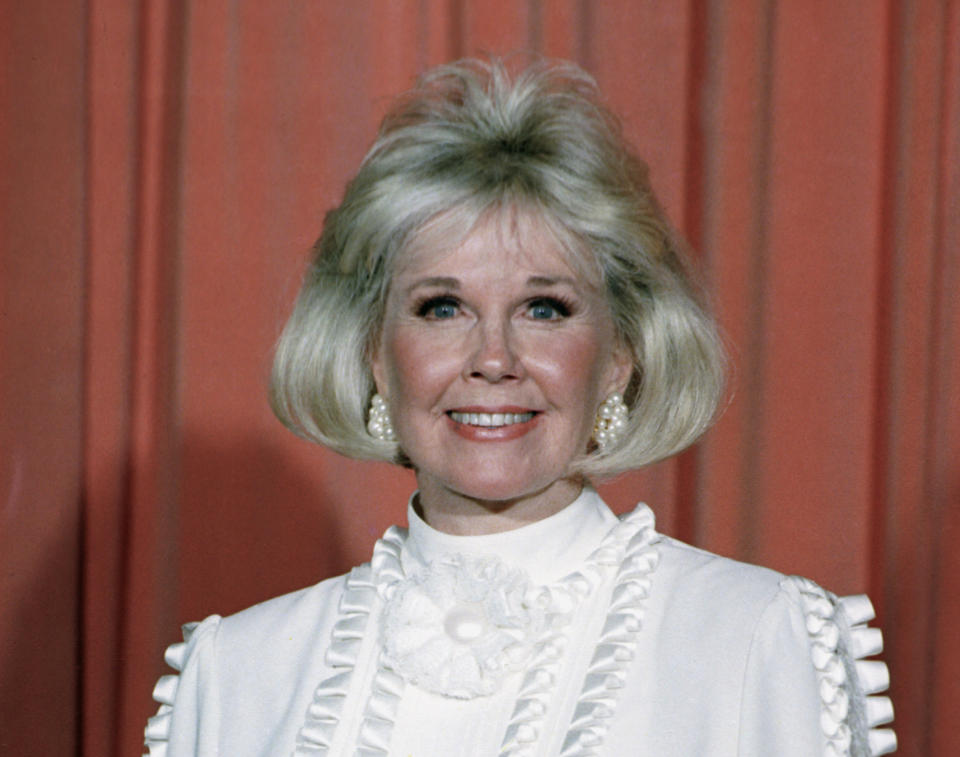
point(839, 640)
point(157, 732)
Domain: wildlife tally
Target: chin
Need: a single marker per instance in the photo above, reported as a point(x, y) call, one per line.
point(503, 488)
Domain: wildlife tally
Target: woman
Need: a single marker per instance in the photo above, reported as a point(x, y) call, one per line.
point(500, 304)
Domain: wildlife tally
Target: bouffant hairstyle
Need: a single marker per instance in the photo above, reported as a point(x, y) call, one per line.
point(471, 139)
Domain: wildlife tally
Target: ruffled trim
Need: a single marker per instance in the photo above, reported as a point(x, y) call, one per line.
point(626, 552)
point(636, 559)
point(839, 639)
point(363, 589)
point(156, 735)
point(629, 550)
point(533, 699)
point(376, 728)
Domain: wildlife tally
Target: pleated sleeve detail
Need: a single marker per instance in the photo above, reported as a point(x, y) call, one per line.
point(181, 695)
point(849, 685)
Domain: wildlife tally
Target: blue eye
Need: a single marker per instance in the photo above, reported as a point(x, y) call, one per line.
point(438, 308)
point(548, 309)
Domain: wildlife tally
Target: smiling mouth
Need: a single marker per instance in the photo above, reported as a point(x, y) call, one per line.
point(490, 420)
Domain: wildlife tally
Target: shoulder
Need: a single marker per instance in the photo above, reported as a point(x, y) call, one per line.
point(791, 646)
point(288, 618)
point(244, 669)
point(714, 587)
point(284, 620)
point(705, 610)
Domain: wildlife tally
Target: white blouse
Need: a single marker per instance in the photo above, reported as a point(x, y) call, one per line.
point(581, 634)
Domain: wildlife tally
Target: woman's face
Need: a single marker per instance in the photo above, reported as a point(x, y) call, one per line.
point(493, 358)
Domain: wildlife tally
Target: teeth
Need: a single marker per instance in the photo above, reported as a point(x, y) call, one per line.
point(491, 420)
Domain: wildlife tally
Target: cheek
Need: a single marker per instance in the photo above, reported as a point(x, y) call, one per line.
point(416, 368)
point(572, 368)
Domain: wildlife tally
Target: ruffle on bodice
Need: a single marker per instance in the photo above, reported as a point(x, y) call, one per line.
point(628, 553)
point(591, 620)
point(350, 654)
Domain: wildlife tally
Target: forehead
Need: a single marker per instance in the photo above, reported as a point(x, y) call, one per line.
point(506, 240)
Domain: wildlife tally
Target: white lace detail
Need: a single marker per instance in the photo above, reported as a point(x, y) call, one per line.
point(518, 625)
point(461, 627)
point(839, 638)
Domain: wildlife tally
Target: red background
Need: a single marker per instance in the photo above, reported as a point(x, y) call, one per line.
point(165, 167)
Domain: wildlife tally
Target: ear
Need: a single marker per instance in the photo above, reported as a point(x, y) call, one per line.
point(621, 369)
point(378, 369)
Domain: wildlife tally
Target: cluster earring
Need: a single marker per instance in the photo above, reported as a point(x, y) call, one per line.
point(378, 420)
point(611, 421)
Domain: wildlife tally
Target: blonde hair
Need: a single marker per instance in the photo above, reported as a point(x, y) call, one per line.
point(470, 139)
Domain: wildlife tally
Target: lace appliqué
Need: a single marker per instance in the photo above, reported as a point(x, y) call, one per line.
point(461, 627)
point(482, 620)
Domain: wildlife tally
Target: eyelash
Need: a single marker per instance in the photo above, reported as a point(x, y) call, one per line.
point(562, 307)
point(425, 307)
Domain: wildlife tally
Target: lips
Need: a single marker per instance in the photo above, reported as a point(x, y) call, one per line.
point(493, 424)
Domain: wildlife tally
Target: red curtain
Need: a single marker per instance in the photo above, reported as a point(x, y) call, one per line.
point(165, 166)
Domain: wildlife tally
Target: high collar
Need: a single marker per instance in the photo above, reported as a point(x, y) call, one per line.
point(547, 550)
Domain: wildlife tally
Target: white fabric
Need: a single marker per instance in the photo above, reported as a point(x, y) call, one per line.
point(547, 549)
point(722, 664)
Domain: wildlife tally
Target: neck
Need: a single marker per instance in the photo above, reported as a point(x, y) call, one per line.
point(462, 515)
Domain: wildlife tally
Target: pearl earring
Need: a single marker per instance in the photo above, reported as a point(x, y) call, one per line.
point(611, 421)
point(378, 421)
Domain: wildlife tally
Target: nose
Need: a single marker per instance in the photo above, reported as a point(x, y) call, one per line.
point(494, 357)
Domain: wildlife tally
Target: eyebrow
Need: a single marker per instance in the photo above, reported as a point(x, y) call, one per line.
point(547, 281)
point(449, 282)
point(443, 282)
